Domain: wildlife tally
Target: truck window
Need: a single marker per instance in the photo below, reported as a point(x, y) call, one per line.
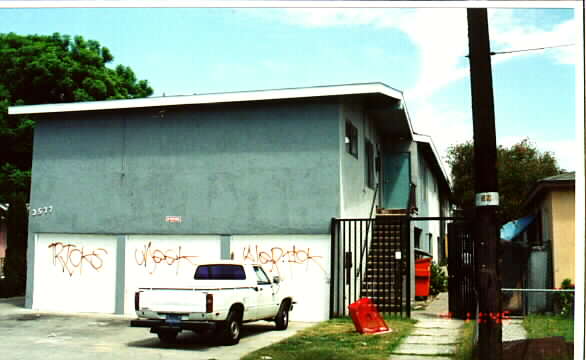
point(220, 272)
point(261, 276)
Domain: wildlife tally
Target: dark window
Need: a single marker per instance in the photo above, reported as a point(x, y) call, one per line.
point(220, 272)
point(351, 139)
point(369, 158)
point(417, 238)
point(261, 276)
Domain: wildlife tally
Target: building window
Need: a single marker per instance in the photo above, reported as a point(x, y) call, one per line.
point(417, 238)
point(351, 139)
point(369, 165)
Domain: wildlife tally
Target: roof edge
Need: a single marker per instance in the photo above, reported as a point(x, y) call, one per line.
point(212, 98)
point(428, 140)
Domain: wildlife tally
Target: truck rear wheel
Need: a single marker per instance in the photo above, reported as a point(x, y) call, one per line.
point(167, 336)
point(282, 318)
point(231, 329)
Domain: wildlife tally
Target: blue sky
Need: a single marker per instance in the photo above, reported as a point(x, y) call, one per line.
point(418, 51)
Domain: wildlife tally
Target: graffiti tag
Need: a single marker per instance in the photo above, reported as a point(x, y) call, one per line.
point(279, 255)
point(150, 258)
point(71, 258)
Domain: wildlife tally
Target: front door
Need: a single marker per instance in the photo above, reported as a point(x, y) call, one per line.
point(396, 180)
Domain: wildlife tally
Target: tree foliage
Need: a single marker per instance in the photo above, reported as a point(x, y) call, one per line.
point(39, 69)
point(519, 168)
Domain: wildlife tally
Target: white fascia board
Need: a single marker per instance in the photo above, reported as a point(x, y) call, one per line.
point(280, 94)
point(427, 139)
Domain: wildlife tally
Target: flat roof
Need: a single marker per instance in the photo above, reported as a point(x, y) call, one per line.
point(213, 98)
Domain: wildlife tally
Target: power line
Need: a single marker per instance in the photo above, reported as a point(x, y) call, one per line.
point(532, 49)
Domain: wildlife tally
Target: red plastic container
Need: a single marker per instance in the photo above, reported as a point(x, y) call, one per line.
point(366, 318)
point(422, 276)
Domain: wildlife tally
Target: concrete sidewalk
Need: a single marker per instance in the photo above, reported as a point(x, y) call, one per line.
point(435, 337)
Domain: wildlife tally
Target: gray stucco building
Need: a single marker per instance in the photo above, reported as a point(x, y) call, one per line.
point(134, 192)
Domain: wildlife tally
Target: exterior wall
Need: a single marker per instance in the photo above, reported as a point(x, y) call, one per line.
point(563, 203)
point(268, 168)
point(356, 196)
point(546, 211)
point(428, 202)
point(3, 239)
point(247, 169)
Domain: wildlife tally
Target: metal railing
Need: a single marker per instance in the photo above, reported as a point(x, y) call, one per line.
point(364, 250)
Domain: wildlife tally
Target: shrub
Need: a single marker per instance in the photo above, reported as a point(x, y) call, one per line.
point(566, 299)
point(439, 280)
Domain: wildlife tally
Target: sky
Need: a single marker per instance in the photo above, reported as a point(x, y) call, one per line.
point(421, 52)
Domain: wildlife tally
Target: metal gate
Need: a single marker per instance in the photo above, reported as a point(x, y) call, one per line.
point(461, 271)
point(370, 258)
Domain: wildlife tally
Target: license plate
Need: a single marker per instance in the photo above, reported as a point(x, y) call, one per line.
point(173, 319)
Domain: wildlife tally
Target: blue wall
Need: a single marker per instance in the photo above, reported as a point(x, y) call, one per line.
point(397, 180)
point(256, 168)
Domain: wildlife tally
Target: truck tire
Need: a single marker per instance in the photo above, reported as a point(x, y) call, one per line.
point(167, 337)
point(231, 329)
point(282, 318)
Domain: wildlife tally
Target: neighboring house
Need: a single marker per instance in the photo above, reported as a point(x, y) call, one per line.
point(552, 202)
point(131, 193)
point(3, 237)
point(539, 248)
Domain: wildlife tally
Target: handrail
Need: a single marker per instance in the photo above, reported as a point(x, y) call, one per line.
point(365, 247)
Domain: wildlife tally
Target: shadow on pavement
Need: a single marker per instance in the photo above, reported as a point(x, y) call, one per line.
point(188, 340)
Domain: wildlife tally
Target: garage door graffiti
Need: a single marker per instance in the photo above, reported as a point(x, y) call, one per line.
point(72, 258)
point(150, 257)
point(278, 255)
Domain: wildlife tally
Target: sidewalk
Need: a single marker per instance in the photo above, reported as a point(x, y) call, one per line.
point(434, 337)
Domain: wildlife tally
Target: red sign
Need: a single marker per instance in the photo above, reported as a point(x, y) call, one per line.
point(173, 219)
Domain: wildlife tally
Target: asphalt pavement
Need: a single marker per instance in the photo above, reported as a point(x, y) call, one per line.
point(31, 335)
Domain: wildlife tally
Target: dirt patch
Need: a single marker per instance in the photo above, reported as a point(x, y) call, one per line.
point(538, 349)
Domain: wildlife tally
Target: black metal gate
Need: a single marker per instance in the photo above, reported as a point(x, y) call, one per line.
point(370, 258)
point(461, 271)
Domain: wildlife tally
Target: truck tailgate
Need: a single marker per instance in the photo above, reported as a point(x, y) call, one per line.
point(173, 300)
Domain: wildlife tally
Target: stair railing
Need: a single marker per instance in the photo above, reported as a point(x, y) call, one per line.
point(365, 246)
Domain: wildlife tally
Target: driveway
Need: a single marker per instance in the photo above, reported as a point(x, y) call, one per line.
point(26, 334)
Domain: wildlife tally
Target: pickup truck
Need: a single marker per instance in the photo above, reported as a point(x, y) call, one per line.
point(222, 296)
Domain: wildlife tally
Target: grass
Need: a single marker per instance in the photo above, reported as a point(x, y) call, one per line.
point(539, 326)
point(336, 340)
point(465, 350)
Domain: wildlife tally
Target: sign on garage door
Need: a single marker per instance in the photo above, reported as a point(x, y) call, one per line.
point(301, 261)
point(74, 273)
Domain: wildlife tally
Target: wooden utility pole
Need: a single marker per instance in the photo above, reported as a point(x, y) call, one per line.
point(488, 280)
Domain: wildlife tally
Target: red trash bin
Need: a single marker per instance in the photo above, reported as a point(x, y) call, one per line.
point(422, 276)
point(366, 318)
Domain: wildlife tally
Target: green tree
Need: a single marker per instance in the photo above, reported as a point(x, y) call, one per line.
point(40, 69)
point(519, 168)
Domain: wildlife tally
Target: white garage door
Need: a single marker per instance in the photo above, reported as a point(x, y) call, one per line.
point(301, 261)
point(74, 273)
point(165, 261)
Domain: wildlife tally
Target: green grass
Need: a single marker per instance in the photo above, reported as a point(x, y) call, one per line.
point(465, 350)
point(539, 326)
point(336, 340)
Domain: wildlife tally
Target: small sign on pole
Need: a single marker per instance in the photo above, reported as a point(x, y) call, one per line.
point(173, 219)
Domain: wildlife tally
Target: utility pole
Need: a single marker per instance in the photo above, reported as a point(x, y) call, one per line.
point(488, 280)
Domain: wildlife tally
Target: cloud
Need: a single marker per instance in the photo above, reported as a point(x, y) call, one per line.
point(564, 150)
point(441, 39)
point(506, 33)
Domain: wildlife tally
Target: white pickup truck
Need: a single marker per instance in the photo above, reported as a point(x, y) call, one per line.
point(223, 295)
